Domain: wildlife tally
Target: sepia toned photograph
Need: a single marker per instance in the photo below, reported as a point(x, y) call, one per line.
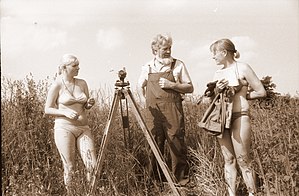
point(149, 97)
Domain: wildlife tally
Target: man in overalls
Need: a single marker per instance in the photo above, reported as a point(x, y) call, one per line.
point(160, 85)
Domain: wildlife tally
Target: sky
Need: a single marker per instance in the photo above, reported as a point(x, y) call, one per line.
point(109, 35)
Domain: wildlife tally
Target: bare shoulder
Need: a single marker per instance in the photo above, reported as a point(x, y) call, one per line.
point(55, 87)
point(244, 67)
point(80, 81)
point(56, 84)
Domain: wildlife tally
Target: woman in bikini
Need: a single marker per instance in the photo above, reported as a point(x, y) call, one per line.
point(235, 142)
point(67, 100)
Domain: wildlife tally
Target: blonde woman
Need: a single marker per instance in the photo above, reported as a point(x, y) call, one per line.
point(235, 142)
point(67, 100)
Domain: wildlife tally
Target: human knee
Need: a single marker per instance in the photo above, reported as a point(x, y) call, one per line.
point(229, 160)
point(243, 161)
point(68, 168)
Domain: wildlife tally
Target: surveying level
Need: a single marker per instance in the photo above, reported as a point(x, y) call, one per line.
point(121, 82)
point(123, 92)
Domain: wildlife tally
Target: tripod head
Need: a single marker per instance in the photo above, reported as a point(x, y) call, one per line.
point(122, 75)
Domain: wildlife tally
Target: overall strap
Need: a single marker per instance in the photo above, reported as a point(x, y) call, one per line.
point(149, 68)
point(171, 67)
point(173, 64)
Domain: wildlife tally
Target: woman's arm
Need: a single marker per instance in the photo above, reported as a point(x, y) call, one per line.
point(51, 102)
point(90, 100)
point(254, 82)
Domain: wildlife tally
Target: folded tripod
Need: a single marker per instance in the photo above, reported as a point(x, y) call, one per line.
point(122, 91)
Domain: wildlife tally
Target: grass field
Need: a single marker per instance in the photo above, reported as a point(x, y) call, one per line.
point(31, 164)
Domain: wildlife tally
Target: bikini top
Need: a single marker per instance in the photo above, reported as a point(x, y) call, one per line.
point(66, 98)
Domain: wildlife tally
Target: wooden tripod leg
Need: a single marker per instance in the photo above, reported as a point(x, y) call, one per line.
point(150, 139)
point(125, 123)
point(104, 141)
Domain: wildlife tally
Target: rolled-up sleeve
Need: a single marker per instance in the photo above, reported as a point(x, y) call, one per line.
point(181, 73)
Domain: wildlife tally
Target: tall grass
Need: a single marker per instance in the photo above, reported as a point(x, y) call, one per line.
point(31, 164)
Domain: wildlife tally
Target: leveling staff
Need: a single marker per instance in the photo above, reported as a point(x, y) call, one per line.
point(160, 85)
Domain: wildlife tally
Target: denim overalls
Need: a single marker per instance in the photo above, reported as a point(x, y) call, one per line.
point(165, 119)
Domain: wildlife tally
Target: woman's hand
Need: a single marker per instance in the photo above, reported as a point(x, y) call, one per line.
point(221, 84)
point(90, 102)
point(71, 114)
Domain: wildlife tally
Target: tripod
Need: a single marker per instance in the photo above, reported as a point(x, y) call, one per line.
point(122, 91)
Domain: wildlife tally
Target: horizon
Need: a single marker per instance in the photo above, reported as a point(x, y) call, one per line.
point(109, 35)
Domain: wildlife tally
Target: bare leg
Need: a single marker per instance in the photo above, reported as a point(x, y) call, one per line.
point(66, 145)
point(230, 170)
point(241, 138)
point(86, 148)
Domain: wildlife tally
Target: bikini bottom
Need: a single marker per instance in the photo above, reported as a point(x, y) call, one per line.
point(61, 128)
point(236, 115)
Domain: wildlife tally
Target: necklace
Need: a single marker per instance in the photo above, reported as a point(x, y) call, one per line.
point(71, 92)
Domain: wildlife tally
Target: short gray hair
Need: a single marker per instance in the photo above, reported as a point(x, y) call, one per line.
point(160, 40)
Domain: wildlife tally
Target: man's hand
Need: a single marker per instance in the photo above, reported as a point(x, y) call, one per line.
point(164, 83)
